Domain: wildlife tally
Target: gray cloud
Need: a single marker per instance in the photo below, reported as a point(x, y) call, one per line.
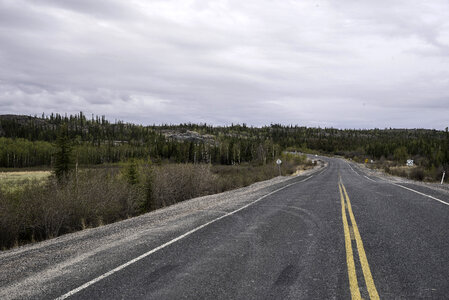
point(346, 64)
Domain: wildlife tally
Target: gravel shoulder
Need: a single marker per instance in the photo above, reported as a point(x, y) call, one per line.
point(35, 270)
point(396, 179)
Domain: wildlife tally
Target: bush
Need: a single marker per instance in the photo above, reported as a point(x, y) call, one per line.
point(37, 212)
point(417, 174)
point(177, 182)
point(95, 197)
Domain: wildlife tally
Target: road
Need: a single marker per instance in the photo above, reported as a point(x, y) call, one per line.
point(339, 233)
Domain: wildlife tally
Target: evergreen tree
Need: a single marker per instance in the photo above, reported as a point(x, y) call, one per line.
point(149, 203)
point(131, 173)
point(63, 159)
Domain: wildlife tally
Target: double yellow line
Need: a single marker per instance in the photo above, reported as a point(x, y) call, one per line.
point(353, 285)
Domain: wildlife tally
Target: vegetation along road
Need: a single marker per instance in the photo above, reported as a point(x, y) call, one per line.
point(336, 232)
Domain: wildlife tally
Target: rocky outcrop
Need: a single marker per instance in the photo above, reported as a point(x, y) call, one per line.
point(188, 135)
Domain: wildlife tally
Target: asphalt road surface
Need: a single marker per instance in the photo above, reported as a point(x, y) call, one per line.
point(338, 233)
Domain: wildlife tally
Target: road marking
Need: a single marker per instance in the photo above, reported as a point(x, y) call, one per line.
point(352, 169)
point(369, 178)
point(320, 172)
point(121, 267)
point(431, 197)
point(325, 168)
point(353, 285)
point(306, 179)
point(362, 255)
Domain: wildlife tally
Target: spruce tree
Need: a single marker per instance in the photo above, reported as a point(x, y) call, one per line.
point(63, 159)
point(132, 173)
point(149, 203)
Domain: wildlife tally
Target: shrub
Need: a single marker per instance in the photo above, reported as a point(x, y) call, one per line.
point(178, 182)
point(417, 174)
point(94, 197)
point(38, 212)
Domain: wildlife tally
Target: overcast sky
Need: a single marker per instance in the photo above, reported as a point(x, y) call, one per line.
point(344, 64)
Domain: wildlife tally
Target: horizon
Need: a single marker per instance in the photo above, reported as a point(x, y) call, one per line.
point(115, 121)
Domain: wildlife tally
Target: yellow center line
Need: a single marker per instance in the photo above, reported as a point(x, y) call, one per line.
point(353, 285)
point(362, 255)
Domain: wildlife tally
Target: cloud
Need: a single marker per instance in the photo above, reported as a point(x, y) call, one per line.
point(319, 63)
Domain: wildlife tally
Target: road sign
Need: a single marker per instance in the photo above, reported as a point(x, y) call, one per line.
point(279, 161)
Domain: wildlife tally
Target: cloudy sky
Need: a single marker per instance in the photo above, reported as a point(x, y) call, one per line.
point(345, 64)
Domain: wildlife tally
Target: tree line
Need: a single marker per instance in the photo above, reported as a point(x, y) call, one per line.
point(30, 141)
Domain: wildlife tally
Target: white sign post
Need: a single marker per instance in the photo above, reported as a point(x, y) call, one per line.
point(279, 162)
point(442, 178)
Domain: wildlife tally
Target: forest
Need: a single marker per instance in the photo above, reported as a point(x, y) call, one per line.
point(29, 141)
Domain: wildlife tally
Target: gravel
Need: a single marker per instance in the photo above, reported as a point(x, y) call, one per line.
point(396, 179)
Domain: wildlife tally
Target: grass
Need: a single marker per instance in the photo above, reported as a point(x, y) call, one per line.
point(14, 180)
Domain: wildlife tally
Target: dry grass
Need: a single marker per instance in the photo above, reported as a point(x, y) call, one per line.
point(15, 180)
point(24, 175)
point(415, 173)
point(411, 172)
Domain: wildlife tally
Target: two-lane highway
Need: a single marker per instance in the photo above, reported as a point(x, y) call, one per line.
point(336, 234)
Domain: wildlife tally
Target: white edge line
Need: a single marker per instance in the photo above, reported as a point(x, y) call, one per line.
point(352, 169)
point(431, 197)
point(325, 169)
point(369, 178)
point(107, 274)
point(305, 179)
